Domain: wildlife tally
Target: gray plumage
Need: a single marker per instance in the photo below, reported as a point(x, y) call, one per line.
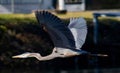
point(67, 40)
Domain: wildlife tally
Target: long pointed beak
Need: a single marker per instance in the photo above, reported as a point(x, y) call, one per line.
point(17, 56)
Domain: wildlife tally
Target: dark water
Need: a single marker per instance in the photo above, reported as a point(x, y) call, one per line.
point(29, 70)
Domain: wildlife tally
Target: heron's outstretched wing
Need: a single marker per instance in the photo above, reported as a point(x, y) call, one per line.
point(58, 31)
point(78, 28)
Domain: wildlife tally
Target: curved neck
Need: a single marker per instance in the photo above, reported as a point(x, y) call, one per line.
point(49, 57)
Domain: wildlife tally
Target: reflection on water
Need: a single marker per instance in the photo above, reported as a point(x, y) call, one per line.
point(29, 70)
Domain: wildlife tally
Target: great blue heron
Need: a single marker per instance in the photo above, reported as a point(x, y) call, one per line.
point(67, 40)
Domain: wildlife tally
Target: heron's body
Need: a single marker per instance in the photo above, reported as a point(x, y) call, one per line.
point(67, 40)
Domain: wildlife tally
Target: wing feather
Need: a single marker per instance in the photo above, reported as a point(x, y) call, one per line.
point(59, 32)
point(78, 28)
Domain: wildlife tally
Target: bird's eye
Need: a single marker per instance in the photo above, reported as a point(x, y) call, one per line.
point(55, 51)
point(61, 54)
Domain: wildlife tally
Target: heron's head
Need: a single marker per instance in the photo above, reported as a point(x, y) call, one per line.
point(24, 55)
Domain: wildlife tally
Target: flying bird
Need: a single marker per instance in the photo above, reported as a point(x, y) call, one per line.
point(67, 40)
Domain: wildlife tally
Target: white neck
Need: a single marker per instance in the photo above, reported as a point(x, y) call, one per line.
point(49, 57)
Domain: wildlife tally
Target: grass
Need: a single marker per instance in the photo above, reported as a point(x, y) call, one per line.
point(29, 18)
point(86, 14)
point(15, 15)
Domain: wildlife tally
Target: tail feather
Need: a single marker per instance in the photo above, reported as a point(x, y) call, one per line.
point(101, 55)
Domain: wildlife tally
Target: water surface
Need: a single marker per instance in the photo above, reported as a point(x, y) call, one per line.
point(32, 70)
